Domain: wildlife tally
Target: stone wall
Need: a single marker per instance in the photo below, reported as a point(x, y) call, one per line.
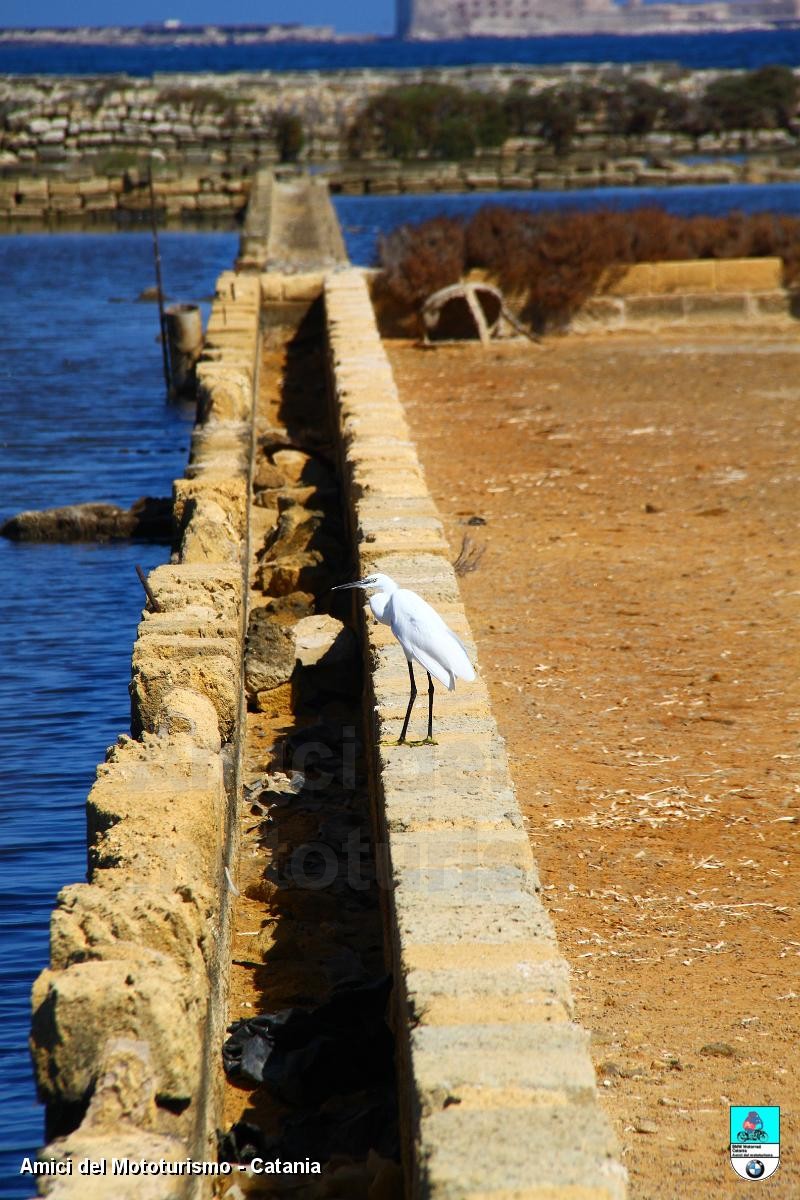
point(228, 125)
point(700, 291)
point(133, 999)
point(492, 1066)
point(120, 198)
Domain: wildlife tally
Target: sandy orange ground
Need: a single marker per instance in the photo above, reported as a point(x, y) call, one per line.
point(635, 614)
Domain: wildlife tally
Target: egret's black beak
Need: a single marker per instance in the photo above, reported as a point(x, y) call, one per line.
point(340, 587)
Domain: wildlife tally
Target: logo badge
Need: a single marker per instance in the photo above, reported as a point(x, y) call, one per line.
point(755, 1140)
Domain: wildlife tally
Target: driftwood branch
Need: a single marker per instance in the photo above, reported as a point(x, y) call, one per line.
point(469, 556)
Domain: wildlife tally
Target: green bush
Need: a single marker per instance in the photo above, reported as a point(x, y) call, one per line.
point(552, 114)
point(762, 99)
point(428, 120)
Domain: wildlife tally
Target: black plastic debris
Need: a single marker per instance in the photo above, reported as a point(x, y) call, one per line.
point(346, 1125)
point(306, 1056)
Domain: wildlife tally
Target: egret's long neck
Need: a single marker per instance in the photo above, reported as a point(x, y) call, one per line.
point(378, 604)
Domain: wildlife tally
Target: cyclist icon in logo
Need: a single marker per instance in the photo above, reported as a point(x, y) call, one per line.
point(752, 1128)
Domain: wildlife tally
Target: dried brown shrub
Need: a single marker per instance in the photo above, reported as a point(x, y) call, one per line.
point(551, 263)
point(420, 259)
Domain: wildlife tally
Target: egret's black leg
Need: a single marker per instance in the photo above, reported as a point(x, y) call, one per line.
point(430, 707)
point(411, 700)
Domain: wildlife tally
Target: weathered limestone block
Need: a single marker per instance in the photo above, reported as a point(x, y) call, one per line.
point(298, 467)
point(463, 1152)
point(209, 666)
point(303, 573)
point(328, 657)
point(147, 997)
point(120, 1142)
point(186, 711)
point(199, 587)
point(221, 445)
point(269, 656)
point(127, 1087)
point(209, 535)
point(322, 640)
point(297, 530)
point(156, 814)
point(223, 393)
point(97, 186)
point(266, 476)
point(108, 919)
point(306, 286)
point(229, 493)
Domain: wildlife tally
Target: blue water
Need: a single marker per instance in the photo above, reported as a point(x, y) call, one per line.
point(82, 416)
point(753, 48)
point(365, 218)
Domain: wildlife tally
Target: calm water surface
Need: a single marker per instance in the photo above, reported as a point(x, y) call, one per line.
point(747, 48)
point(82, 417)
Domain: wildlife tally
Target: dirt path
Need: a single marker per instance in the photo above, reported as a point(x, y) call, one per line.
point(635, 613)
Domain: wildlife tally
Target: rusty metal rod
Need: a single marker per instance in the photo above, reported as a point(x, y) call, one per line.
point(155, 606)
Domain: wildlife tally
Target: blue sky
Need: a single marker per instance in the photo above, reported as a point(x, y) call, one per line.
point(375, 16)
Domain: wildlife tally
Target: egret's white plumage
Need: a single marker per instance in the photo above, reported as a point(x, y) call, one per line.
point(423, 635)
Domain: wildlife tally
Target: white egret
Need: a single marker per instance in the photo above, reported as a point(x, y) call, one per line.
point(422, 633)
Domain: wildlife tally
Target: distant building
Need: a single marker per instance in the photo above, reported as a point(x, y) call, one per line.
point(521, 18)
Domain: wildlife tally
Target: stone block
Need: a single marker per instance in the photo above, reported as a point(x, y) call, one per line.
point(600, 310)
point(501, 1066)
point(271, 286)
point(772, 304)
point(112, 919)
point(500, 1154)
point(717, 307)
point(230, 493)
point(109, 1142)
point(749, 274)
point(209, 666)
point(473, 995)
point(32, 189)
point(673, 278)
point(207, 591)
point(224, 394)
point(655, 309)
point(636, 280)
point(146, 997)
point(306, 286)
point(97, 186)
point(157, 808)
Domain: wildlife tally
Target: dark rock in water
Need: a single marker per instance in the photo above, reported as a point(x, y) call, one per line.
point(149, 519)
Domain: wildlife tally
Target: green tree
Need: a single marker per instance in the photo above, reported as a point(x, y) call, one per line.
point(637, 108)
point(433, 120)
point(762, 99)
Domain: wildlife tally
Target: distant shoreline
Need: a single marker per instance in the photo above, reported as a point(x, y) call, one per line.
point(255, 35)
